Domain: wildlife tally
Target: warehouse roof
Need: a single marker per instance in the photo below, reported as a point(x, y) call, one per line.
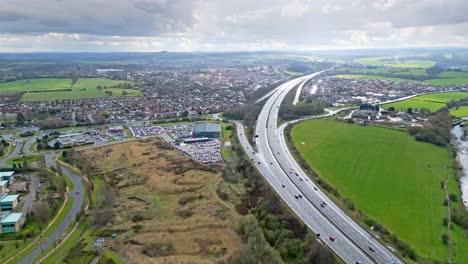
point(207, 127)
point(9, 198)
point(11, 218)
point(6, 173)
point(3, 183)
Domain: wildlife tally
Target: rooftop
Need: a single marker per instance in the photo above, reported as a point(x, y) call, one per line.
point(9, 198)
point(6, 173)
point(207, 127)
point(3, 183)
point(11, 218)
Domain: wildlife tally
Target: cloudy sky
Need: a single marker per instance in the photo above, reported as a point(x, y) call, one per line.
point(230, 25)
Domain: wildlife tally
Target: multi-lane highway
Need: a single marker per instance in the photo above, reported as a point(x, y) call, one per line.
point(273, 159)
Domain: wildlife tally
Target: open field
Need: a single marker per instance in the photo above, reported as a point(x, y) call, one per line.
point(163, 199)
point(25, 158)
point(83, 88)
point(432, 102)
point(373, 77)
point(390, 177)
point(414, 104)
point(293, 73)
point(459, 112)
point(398, 61)
point(36, 85)
point(111, 62)
point(414, 64)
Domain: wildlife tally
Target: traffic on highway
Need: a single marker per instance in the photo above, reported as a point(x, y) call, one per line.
point(273, 159)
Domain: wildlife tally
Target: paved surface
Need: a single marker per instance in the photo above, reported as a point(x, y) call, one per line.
point(352, 243)
point(77, 194)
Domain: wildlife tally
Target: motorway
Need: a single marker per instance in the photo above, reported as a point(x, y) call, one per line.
point(273, 159)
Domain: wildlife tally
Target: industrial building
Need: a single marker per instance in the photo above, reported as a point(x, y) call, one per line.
point(8, 202)
point(209, 130)
point(11, 222)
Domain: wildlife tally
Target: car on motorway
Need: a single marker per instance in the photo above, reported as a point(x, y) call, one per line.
point(371, 249)
point(300, 195)
point(332, 238)
point(283, 185)
point(296, 196)
point(300, 179)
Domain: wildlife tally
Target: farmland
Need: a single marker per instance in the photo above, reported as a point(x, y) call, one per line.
point(49, 89)
point(431, 102)
point(36, 85)
point(372, 77)
point(396, 184)
point(444, 78)
point(407, 61)
point(164, 200)
point(460, 112)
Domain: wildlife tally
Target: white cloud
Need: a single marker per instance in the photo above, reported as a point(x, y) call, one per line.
point(153, 25)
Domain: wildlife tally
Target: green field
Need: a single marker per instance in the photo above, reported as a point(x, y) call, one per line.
point(294, 73)
point(460, 112)
point(414, 64)
point(83, 88)
point(414, 104)
point(386, 173)
point(372, 77)
point(111, 62)
point(398, 61)
point(25, 158)
point(431, 102)
point(36, 85)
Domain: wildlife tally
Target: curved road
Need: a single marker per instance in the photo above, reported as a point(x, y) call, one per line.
point(351, 242)
point(77, 194)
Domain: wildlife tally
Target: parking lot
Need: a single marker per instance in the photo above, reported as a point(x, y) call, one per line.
point(204, 152)
point(177, 131)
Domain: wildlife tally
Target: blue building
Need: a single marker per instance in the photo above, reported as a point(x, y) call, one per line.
point(11, 222)
point(209, 130)
point(8, 202)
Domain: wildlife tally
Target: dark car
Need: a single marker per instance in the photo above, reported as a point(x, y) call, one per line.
point(282, 185)
point(300, 195)
point(371, 249)
point(315, 188)
point(295, 196)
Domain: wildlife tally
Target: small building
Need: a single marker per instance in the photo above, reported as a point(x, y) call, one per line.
point(9, 202)
point(209, 130)
point(116, 130)
point(6, 175)
point(3, 187)
point(11, 222)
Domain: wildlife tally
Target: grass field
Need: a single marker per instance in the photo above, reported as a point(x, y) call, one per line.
point(36, 85)
point(111, 62)
point(415, 104)
point(372, 77)
point(25, 158)
point(460, 112)
point(176, 199)
point(432, 102)
point(294, 73)
point(399, 61)
point(387, 175)
point(414, 64)
point(84, 88)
